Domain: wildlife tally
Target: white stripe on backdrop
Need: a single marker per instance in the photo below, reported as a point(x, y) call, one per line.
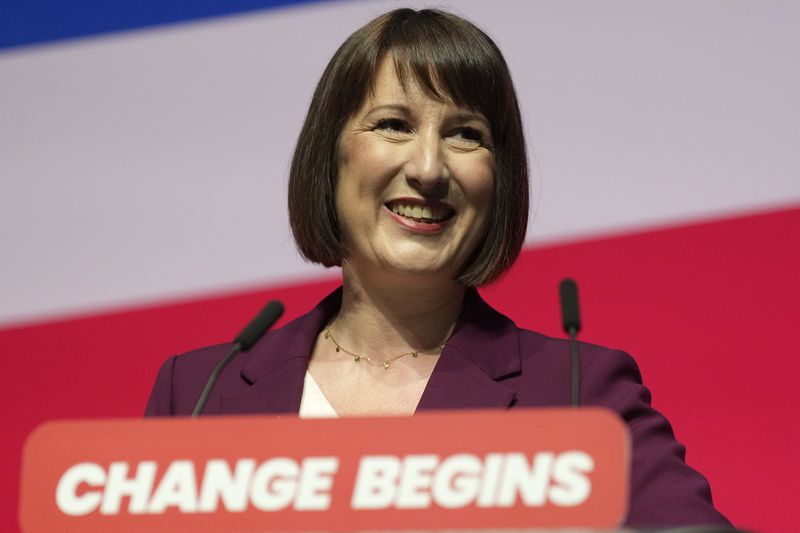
point(151, 164)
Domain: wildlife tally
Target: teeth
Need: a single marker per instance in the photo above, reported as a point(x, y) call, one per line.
point(435, 213)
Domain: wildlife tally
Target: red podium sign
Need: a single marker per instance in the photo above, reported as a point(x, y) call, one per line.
point(467, 469)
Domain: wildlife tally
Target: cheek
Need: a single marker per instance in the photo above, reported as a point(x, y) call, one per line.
point(480, 196)
point(484, 207)
point(364, 152)
point(485, 191)
point(479, 186)
point(363, 167)
point(364, 172)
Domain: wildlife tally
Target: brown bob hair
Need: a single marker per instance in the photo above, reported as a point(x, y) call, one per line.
point(451, 60)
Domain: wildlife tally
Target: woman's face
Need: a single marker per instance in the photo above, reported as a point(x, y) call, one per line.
point(415, 181)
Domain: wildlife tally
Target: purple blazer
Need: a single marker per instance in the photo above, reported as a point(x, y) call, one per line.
point(488, 363)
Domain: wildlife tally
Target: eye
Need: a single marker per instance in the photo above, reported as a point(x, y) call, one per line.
point(392, 125)
point(470, 134)
point(466, 137)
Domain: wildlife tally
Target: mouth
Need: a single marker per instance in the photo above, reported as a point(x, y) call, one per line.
point(421, 211)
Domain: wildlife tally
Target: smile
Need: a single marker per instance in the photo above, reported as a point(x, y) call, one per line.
point(424, 212)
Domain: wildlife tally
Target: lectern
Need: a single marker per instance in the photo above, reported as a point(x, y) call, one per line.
point(521, 469)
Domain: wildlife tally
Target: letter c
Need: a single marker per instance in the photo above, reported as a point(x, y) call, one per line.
point(67, 498)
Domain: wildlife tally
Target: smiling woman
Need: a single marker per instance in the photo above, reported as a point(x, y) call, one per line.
point(415, 183)
point(383, 78)
point(410, 173)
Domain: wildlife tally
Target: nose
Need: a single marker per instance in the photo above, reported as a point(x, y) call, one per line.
point(426, 169)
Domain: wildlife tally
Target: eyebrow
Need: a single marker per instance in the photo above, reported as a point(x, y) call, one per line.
point(466, 116)
point(390, 107)
point(463, 115)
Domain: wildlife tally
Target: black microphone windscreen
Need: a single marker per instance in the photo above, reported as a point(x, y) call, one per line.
point(259, 325)
point(570, 313)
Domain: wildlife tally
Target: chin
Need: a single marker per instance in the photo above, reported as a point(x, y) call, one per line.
point(415, 268)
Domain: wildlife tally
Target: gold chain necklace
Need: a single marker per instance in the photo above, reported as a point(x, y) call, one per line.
point(383, 362)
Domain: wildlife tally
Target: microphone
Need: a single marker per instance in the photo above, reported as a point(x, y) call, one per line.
point(243, 342)
point(571, 321)
point(259, 325)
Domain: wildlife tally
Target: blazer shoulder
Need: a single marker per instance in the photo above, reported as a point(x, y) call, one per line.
point(665, 491)
point(181, 379)
point(538, 350)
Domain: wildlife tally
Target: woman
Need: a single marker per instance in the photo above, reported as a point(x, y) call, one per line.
point(410, 172)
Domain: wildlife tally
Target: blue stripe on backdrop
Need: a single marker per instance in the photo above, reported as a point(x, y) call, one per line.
point(27, 22)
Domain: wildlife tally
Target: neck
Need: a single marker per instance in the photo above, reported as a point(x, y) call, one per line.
point(385, 315)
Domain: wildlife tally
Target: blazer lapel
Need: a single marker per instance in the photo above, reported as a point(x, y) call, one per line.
point(278, 392)
point(483, 349)
point(275, 372)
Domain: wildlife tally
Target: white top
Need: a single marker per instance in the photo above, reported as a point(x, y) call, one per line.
point(314, 404)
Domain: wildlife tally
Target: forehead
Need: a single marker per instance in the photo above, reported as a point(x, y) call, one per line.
point(398, 82)
point(387, 82)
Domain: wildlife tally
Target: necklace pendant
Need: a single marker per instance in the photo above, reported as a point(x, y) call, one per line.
point(413, 354)
point(386, 364)
point(356, 358)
